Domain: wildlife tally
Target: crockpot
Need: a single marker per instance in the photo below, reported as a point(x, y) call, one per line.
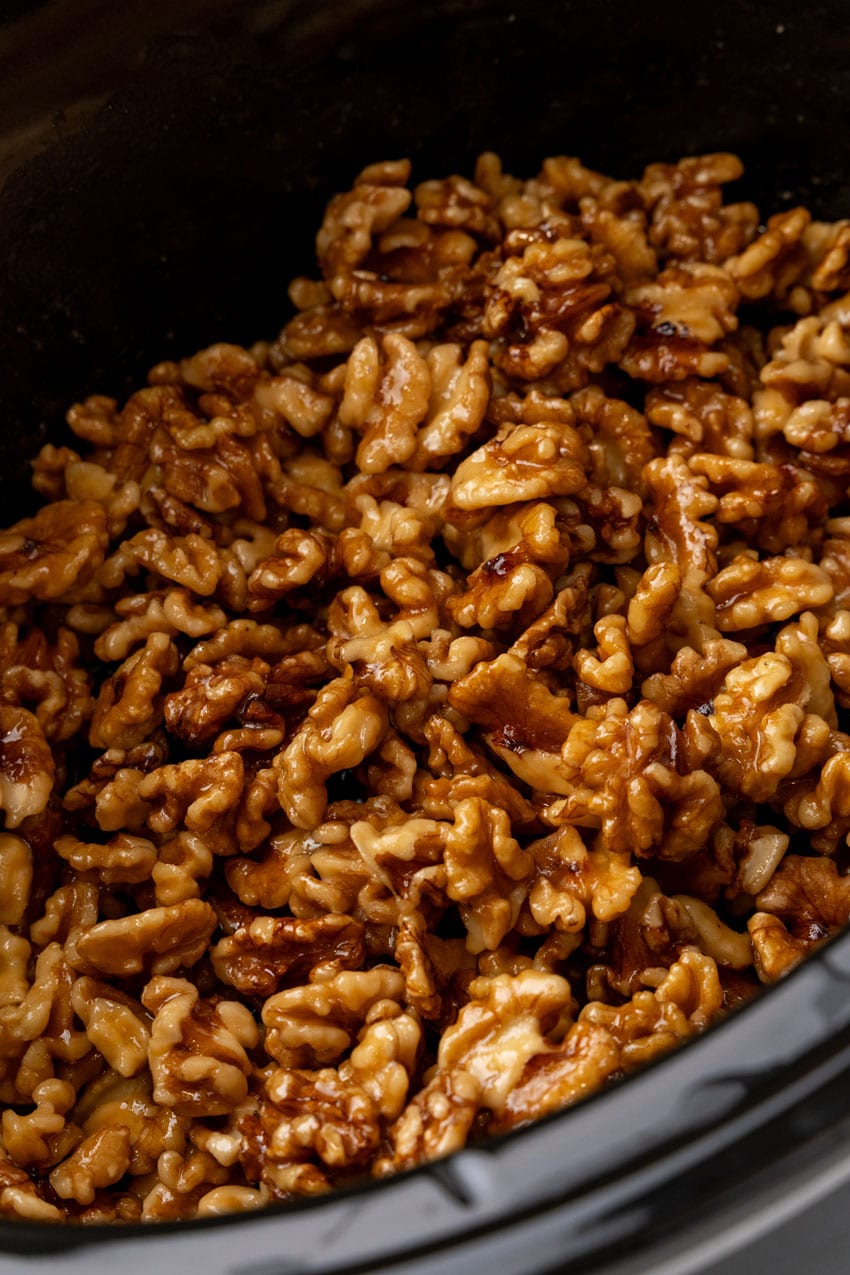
point(163, 169)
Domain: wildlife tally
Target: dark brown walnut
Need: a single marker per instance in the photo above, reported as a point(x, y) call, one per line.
point(414, 722)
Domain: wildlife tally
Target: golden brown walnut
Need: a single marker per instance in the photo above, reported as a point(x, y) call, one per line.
point(99, 1161)
point(114, 1024)
point(342, 727)
point(257, 957)
point(197, 1048)
point(688, 217)
point(508, 1021)
point(27, 768)
point(195, 792)
point(46, 556)
point(159, 939)
point(190, 561)
point(621, 770)
point(170, 612)
point(16, 875)
point(524, 462)
point(129, 706)
point(571, 883)
point(749, 592)
point(315, 1024)
point(125, 858)
point(385, 400)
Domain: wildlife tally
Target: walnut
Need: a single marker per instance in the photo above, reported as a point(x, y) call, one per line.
point(622, 779)
point(459, 393)
point(342, 727)
point(680, 315)
point(317, 1114)
point(16, 876)
point(508, 1021)
point(190, 561)
point(687, 1000)
point(129, 706)
point(194, 792)
point(197, 1048)
point(315, 1024)
point(677, 531)
point(526, 462)
point(748, 593)
point(258, 956)
point(688, 217)
point(159, 939)
point(212, 695)
point(525, 723)
point(703, 417)
point(485, 869)
point(114, 1024)
point(170, 611)
point(123, 859)
point(27, 768)
point(46, 556)
point(570, 881)
point(99, 1161)
point(385, 404)
point(774, 262)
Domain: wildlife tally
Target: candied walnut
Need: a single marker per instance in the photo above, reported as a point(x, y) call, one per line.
point(351, 220)
point(582, 1062)
point(312, 557)
point(622, 779)
point(509, 1020)
point(169, 612)
point(750, 592)
point(343, 726)
point(676, 528)
point(317, 1114)
point(258, 956)
point(197, 1048)
point(686, 1001)
point(681, 314)
point(44, 1136)
point(190, 561)
point(485, 872)
point(159, 939)
point(16, 876)
point(212, 695)
point(129, 706)
point(114, 1024)
point(525, 723)
point(459, 393)
point(27, 768)
point(123, 859)
point(773, 506)
point(808, 896)
point(775, 951)
point(387, 662)
point(386, 404)
point(523, 462)
point(99, 1161)
point(760, 720)
point(195, 792)
point(774, 262)
point(570, 881)
point(314, 1025)
point(688, 219)
point(704, 417)
point(46, 556)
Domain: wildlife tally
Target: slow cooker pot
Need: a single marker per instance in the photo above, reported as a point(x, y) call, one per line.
point(164, 167)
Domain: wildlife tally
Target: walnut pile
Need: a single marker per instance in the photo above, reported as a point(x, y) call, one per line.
point(413, 723)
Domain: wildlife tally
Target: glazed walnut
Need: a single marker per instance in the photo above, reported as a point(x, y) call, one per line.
point(413, 723)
